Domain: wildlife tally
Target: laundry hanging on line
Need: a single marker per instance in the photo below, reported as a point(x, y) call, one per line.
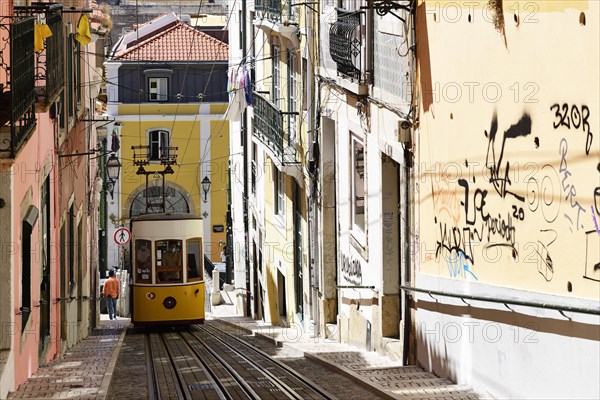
point(41, 32)
point(239, 87)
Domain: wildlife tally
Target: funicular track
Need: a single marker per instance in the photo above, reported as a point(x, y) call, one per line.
point(209, 363)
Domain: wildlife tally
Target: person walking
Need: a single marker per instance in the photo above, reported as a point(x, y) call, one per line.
point(111, 293)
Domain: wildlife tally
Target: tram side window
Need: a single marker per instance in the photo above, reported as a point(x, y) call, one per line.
point(194, 266)
point(143, 261)
point(169, 265)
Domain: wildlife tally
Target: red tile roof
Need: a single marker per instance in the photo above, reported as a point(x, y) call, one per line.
point(178, 43)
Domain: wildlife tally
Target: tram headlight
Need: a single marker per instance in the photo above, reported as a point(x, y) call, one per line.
point(169, 303)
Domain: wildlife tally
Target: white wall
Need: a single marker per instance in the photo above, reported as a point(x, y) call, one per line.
point(511, 351)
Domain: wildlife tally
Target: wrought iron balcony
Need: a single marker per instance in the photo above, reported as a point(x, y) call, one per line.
point(17, 94)
point(277, 10)
point(346, 45)
point(49, 72)
point(142, 155)
point(49, 62)
point(269, 128)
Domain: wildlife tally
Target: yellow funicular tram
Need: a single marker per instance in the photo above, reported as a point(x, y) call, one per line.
point(167, 269)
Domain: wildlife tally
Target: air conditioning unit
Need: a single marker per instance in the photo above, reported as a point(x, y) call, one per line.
point(404, 131)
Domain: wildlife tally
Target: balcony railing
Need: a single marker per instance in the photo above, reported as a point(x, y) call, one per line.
point(277, 10)
point(49, 72)
point(49, 62)
point(346, 44)
point(167, 155)
point(17, 94)
point(269, 128)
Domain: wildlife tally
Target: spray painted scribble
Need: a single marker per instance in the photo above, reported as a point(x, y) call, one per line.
point(568, 188)
point(592, 256)
point(543, 194)
point(499, 174)
point(578, 119)
point(545, 263)
point(445, 199)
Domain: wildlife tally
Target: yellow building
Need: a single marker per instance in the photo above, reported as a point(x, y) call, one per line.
point(167, 92)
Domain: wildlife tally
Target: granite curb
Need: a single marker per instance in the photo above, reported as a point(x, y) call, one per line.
point(106, 380)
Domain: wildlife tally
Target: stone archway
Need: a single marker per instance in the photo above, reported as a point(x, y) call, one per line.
point(176, 199)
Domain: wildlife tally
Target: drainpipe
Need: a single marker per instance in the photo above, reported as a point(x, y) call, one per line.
point(313, 221)
point(408, 356)
point(244, 134)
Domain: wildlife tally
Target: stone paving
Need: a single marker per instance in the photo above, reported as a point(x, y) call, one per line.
point(85, 371)
point(385, 376)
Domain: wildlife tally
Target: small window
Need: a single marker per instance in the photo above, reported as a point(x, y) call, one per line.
point(276, 75)
point(158, 89)
point(194, 266)
point(158, 142)
point(169, 264)
point(143, 261)
point(358, 185)
point(26, 245)
point(279, 192)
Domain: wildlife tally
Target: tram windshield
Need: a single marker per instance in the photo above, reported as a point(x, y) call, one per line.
point(194, 266)
point(143, 261)
point(169, 264)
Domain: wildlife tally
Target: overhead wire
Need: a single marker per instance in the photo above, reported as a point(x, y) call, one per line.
point(244, 58)
point(200, 105)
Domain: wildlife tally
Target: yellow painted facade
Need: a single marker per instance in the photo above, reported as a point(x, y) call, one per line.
point(194, 160)
point(219, 158)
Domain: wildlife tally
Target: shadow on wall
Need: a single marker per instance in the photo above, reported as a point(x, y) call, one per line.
point(467, 329)
point(423, 58)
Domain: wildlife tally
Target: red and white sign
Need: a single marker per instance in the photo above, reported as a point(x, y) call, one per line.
point(122, 236)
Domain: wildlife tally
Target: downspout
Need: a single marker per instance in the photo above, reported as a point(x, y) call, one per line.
point(313, 221)
point(409, 356)
point(245, 197)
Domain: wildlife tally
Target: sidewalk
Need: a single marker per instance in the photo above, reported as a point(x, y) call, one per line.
point(83, 372)
point(389, 378)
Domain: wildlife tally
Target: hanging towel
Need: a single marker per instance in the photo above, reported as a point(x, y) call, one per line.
point(236, 106)
point(41, 32)
point(83, 34)
point(115, 144)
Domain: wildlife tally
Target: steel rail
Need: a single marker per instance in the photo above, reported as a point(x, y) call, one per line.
point(241, 381)
point(153, 391)
point(282, 365)
point(285, 389)
point(215, 381)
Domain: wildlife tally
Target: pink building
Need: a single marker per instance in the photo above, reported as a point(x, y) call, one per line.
point(48, 186)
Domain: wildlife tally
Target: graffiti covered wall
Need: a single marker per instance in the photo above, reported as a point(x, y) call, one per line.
point(509, 160)
point(507, 177)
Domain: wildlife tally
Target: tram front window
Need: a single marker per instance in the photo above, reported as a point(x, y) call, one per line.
point(143, 261)
point(169, 266)
point(194, 267)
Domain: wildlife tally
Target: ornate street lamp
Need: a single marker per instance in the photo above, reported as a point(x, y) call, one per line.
point(113, 168)
point(205, 187)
